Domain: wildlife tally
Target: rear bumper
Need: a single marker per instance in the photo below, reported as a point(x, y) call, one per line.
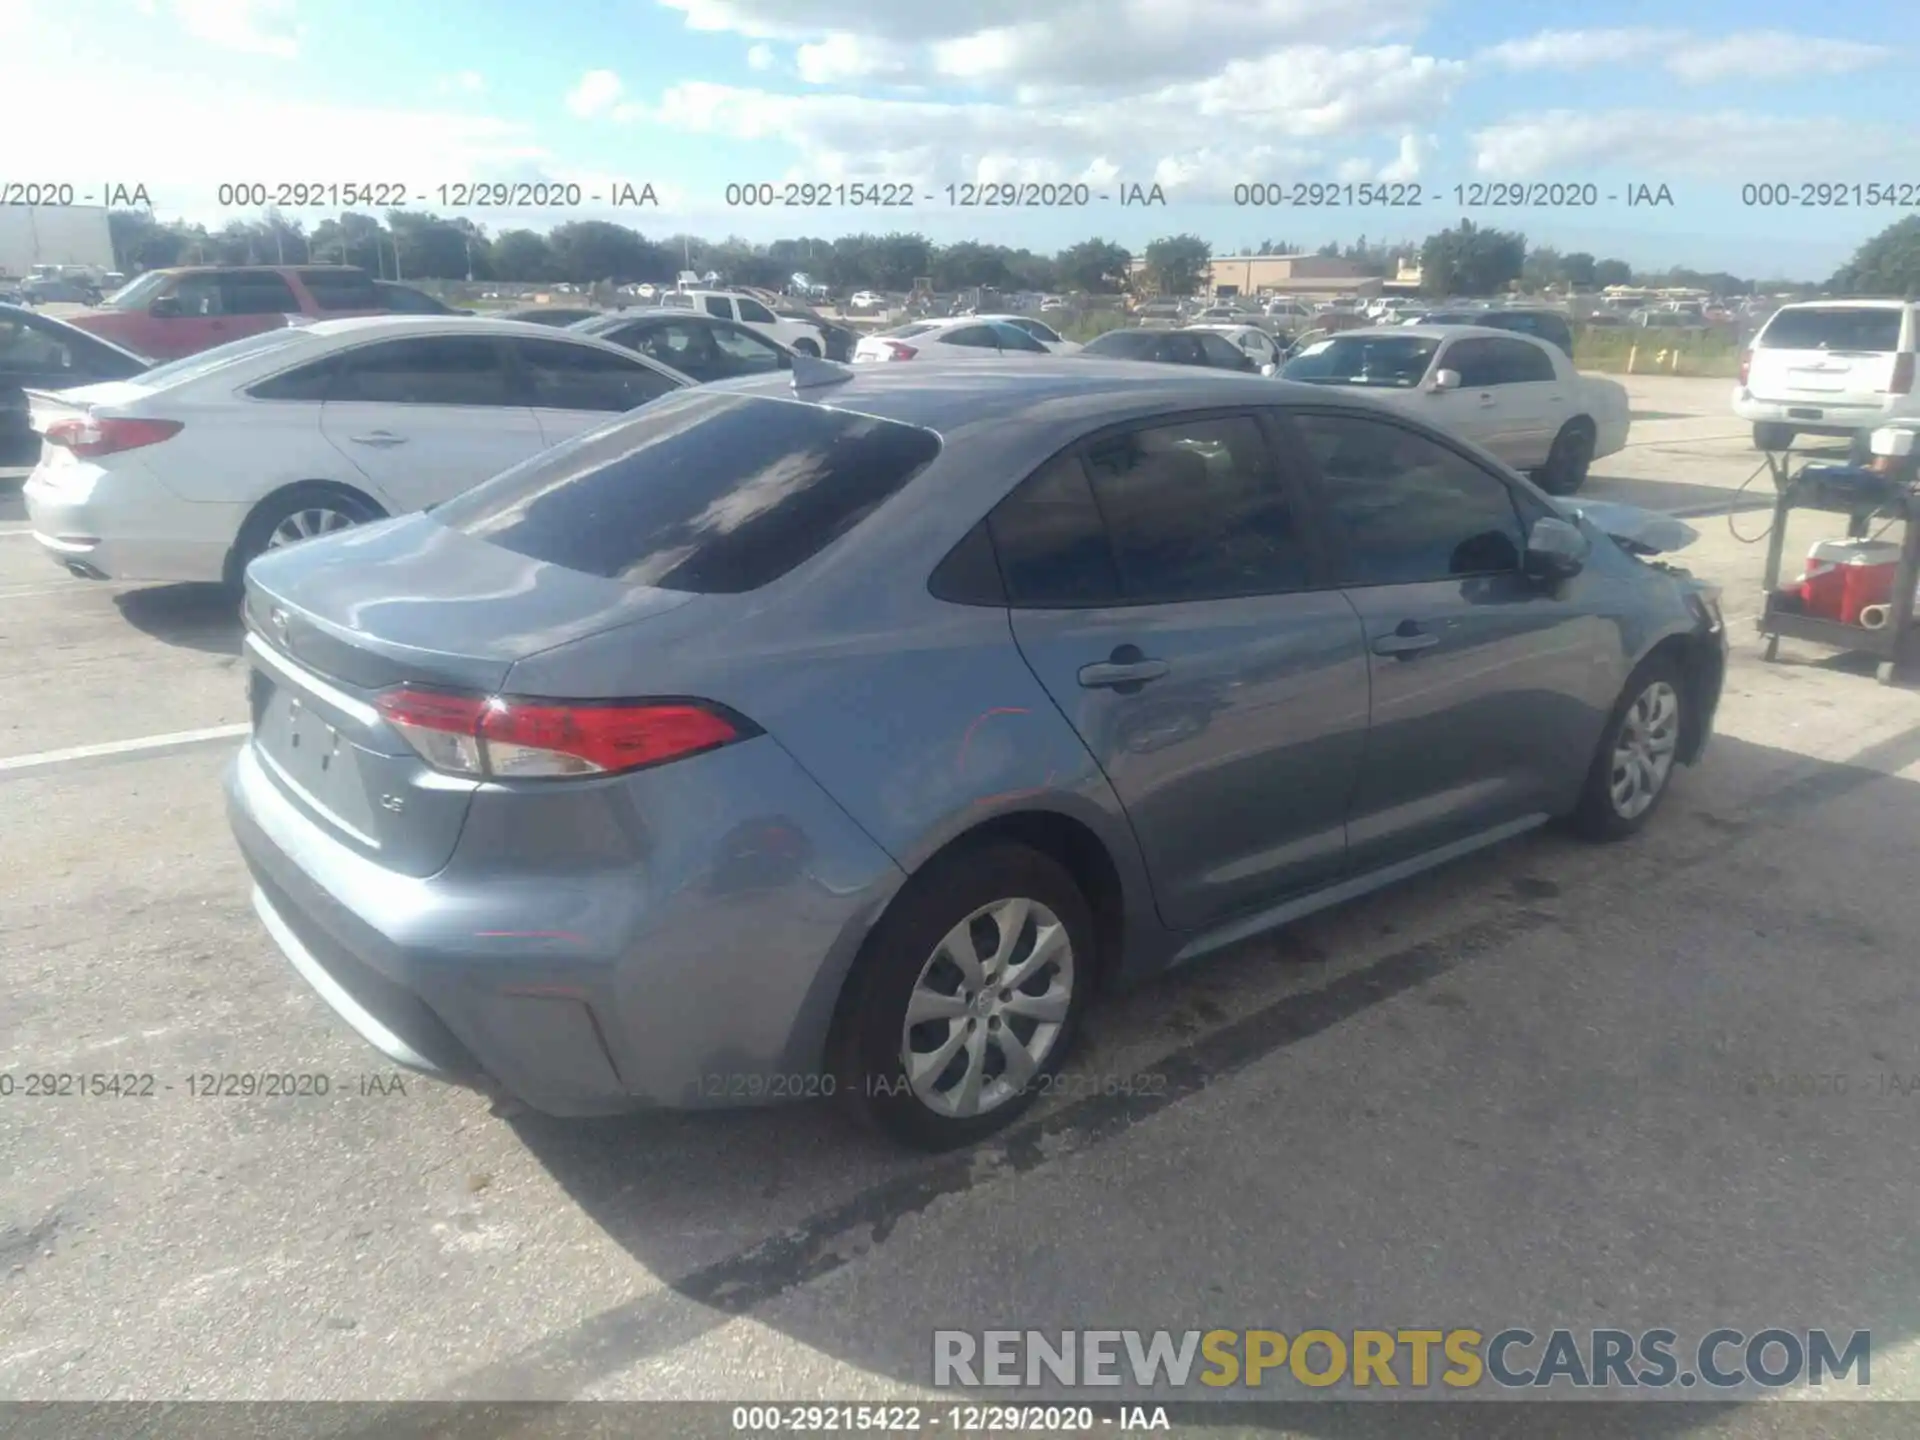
point(1812, 416)
point(701, 973)
point(112, 525)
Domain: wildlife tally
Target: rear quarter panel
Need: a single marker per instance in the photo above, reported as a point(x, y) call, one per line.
point(242, 450)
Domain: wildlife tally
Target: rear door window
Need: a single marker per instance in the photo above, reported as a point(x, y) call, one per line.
point(720, 307)
point(430, 370)
point(257, 292)
point(704, 492)
point(1836, 327)
point(1051, 541)
point(755, 313)
point(340, 290)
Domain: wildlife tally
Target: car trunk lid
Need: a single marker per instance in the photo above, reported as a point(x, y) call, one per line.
point(329, 631)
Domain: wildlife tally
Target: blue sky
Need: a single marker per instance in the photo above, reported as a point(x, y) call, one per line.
point(1701, 96)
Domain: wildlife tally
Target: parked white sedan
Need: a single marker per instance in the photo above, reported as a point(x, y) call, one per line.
point(1258, 344)
point(966, 337)
point(188, 471)
point(1517, 398)
point(1055, 342)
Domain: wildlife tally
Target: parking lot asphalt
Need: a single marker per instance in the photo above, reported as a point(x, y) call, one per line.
point(1553, 1085)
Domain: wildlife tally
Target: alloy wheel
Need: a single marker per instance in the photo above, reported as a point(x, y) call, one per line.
point(988, 1008)
point(308, 522)
point(1643, 753)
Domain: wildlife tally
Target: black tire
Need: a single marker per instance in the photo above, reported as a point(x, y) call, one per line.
point(1568, 460)
point(1772, 436)
point(871, 1034)
point(1598, 816)
point(806, 347)
point(276, 509)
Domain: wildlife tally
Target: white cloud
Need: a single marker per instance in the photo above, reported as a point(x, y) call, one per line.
point(1725, 147)
point(1696, 59)
point(1771, 55)
point(1256, 119)
point(1415, 152)
point(466, 82)
point(253, 27)
point(760, 57)
point(596, 93)
point(1572, 49)
point(1081, 45)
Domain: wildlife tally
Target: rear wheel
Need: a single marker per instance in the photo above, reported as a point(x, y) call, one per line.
point(966, 997)
point(1568, 460)
point(806, 347)
point(304, 512)
point(1639, 749)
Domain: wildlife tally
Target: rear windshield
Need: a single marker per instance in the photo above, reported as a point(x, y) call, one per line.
point(1839, 327)
point(906, 332)
point(701, 491)
point(1393, 362)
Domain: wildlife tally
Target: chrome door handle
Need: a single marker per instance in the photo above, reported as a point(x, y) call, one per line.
point(379, 437)
point(1107, 675)
point(1486, 400)
point(1404, 644)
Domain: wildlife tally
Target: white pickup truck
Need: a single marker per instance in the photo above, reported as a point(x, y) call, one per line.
point(1517, 398)
point(801, 336)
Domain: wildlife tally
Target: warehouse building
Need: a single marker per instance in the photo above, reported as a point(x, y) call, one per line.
point(1308, 276)
point(63, 235)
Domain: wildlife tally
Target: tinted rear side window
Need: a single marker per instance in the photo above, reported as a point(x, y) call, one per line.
point(1838, 328)
point(342, 290)
point(715, 494)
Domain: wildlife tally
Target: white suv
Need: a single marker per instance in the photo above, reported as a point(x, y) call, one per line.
point(1830, 367)
point(802, 336)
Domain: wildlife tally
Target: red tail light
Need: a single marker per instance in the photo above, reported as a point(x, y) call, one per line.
point(1902, 382)
point(504, 738)
point(1746, 364)
point(97, 435)
point(896, 350)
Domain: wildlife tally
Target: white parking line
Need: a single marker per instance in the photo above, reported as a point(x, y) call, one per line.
point(9, 530)
point(123, 747)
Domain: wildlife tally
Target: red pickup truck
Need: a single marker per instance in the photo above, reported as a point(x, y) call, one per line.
point(165, 314)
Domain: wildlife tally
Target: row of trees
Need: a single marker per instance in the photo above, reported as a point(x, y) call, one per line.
point(408, 244)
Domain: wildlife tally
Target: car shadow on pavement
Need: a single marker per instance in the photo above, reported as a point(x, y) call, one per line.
point(1678, 499)
point(1581, 1135)
point(195, 617)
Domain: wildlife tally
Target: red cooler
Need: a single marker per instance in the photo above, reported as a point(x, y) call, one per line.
point(1845, 576)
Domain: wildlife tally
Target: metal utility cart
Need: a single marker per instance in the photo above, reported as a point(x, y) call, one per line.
point(1883, 489)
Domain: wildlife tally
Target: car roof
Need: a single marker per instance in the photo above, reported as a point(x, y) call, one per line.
point(1438, 332)
point(356, 325)
point(942, 395)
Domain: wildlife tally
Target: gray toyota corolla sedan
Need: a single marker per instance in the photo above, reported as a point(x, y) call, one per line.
point(844, 733)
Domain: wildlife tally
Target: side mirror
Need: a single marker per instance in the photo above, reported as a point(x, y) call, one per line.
point(1556, 549)
point(1443, 381)
point(165, 308)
